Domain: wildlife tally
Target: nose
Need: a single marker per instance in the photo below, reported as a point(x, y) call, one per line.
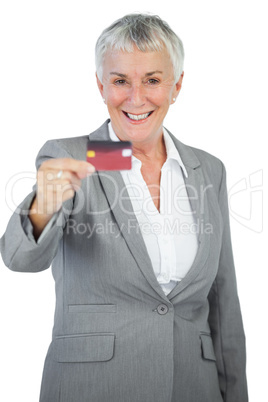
point(137, 96)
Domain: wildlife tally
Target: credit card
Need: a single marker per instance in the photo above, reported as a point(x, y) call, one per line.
point(110, 155)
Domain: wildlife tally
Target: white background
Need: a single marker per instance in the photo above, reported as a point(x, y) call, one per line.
point(48, 91)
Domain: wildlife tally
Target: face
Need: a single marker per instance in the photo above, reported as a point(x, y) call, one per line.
point(138, 89)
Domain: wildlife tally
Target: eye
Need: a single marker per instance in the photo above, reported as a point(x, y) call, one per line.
point(152, 81)
point(120, 82)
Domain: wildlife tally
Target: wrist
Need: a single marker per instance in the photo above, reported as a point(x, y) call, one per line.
point(38, 218)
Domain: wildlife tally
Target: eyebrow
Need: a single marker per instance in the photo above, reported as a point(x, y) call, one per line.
point(146, 75)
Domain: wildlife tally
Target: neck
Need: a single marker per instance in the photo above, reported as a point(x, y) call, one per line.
point(151, 151)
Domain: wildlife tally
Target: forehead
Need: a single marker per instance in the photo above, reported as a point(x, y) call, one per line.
point(137, 61)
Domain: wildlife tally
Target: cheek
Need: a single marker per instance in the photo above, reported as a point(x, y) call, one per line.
point(115, 97)
point(161, 97)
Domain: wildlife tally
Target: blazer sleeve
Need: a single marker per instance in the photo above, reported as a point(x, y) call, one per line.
point(225, 316)
point(20, 251)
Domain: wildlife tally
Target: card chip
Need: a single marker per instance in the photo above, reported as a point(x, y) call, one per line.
point(91, 154)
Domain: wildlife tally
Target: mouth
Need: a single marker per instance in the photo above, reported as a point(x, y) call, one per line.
point(137, 117)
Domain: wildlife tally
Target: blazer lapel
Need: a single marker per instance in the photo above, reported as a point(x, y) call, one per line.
point(121, 207)
point(195, 186)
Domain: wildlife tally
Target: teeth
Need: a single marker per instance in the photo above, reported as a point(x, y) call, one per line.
point(138, 117)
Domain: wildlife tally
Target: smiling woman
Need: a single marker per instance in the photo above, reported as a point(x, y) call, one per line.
point(147, 307)
point(138, 88)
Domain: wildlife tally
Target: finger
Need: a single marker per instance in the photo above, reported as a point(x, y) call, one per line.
point(53, 194)
point(50, 175)
point(67, 177)
point(80, 168)
point(48, 183)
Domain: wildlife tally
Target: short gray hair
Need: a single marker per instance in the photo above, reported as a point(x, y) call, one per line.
point(147, 32)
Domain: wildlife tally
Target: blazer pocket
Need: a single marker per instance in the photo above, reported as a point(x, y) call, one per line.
point(83, 348)
point(92, 308)
point(207, 347)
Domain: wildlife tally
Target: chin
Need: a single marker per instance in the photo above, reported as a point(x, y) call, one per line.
point(138, 135)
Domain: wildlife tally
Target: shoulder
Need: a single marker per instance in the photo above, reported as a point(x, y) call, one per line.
point(212, 167)
point(194, 158)
point(71, 147)
point(207, 160)
point(74, 147)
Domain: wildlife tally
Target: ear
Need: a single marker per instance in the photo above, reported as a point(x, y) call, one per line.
point(177, 87)
point(100, 85)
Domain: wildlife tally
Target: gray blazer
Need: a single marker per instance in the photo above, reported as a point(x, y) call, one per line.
point(117, 337)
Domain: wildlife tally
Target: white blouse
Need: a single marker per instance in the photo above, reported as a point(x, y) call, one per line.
point(169, 235)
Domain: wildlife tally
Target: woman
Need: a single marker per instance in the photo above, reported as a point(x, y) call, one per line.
point(147, 307)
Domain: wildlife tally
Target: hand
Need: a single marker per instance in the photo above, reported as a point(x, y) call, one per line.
point(57, 181)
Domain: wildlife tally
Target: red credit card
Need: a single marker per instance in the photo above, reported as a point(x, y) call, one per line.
point(110, 155)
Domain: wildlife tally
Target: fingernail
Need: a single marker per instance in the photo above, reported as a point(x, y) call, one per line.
point(91, 169)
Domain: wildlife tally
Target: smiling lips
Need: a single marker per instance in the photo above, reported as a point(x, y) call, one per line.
point(137, 117)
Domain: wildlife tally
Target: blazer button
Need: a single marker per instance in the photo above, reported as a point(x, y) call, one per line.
point(162, 309)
